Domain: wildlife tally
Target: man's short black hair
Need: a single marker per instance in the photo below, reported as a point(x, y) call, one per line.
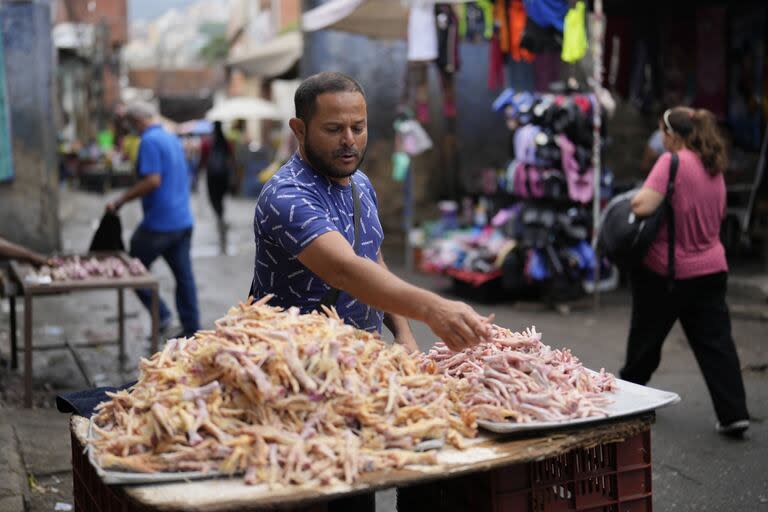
point(321, 83)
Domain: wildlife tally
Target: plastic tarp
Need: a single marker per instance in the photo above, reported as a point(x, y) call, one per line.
point(380, 19)
point(244, 108)
point(383, 19)
point(273, 58)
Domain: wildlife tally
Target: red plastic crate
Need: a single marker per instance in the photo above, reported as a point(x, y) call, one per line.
point(614, 477)
point(611, 477)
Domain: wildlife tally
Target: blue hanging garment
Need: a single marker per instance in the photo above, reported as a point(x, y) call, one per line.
point(547, 13)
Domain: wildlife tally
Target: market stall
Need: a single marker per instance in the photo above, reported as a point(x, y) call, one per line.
point(273, 408)
point(107, 271)
point(607, 465)
point(542, 54)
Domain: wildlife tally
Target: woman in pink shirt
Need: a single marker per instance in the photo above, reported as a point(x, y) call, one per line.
point(697, 295)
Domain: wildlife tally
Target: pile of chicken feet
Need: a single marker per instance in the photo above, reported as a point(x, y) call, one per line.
point(286, 398)
point(281, 397)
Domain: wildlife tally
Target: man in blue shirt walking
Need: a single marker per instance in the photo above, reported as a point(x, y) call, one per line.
point(166, 229)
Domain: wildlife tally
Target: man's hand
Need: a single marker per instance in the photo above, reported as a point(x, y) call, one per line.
point(113, 206)
point(39, 259)
point(458, 325)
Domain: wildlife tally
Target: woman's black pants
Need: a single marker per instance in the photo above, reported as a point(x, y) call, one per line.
point(699, 304)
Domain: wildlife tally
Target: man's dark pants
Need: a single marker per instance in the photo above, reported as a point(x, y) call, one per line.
point(174, 247)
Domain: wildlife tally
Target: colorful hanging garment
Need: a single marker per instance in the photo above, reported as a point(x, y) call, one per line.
point(487, 7)
point(502, 22)
point(447, 39)
point(547, 13)
point(575, 34)
point(495, 64)
point(517, 19)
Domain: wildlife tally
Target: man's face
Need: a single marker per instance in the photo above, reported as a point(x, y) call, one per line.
point(335, 138)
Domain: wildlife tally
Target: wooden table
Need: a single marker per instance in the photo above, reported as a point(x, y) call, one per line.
point(30, 289)
point(487, 453)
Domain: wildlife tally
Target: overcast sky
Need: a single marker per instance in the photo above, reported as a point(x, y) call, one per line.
point(150, 9)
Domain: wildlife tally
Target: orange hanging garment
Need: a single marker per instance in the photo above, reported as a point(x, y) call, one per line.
point(517, 18)
point(500, 18)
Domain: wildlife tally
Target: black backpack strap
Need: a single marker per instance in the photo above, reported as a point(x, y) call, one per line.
point(674, 162)
point(332, 295)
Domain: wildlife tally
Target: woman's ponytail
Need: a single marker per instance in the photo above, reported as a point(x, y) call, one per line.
point(705, 140)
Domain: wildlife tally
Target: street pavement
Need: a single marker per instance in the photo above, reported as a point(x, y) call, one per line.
point(694, 469)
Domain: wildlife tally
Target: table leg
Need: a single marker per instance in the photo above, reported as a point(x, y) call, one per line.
point(121, 326)
point(27, 351)
point(155, 319)
point(14, 338)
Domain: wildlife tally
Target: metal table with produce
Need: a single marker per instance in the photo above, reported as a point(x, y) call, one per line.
point(70, 274)
point(274, 409)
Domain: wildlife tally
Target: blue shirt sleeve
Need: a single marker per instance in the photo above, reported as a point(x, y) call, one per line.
point(292, 216)
point(149, 158)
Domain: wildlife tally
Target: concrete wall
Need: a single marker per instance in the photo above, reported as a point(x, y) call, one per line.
point(29, 210)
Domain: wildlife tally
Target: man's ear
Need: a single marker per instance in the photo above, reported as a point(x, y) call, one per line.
point(298, 128)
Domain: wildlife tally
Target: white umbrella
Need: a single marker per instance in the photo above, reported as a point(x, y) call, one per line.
point(244, 108)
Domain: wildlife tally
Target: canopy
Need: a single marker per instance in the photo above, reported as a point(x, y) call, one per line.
point(273, 58)
point(382, 19)
point(196, 127)
point(243, 108)
point(385, 19)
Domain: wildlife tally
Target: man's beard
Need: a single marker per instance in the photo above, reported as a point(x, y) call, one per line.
point(327, 168)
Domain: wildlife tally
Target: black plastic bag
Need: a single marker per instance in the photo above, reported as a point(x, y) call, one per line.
point(109, 235)
point(624, 237)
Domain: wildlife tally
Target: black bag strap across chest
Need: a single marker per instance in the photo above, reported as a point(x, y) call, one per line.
point(670, 211)
point(330, 297)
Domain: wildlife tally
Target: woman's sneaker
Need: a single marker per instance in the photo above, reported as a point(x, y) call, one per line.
point(735, 429)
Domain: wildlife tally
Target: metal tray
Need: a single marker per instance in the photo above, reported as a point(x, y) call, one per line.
point(628, 399)
point(115, 477)
point(110, 476)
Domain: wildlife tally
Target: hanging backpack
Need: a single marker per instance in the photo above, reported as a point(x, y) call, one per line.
point(624, 237)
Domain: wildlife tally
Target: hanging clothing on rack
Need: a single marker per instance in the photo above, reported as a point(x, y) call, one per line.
point(580, 180)
point(487, 7)
point(538, 39)
point(547, 13)
point(546, 69)
point(422, 32)
point(447, 38)
point(517, 19)
point(495, 64)
point(525, 143)
point(477, 25)
point(575, 34)
point(501, 21)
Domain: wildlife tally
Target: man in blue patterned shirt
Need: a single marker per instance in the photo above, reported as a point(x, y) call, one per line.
point(307, 243)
